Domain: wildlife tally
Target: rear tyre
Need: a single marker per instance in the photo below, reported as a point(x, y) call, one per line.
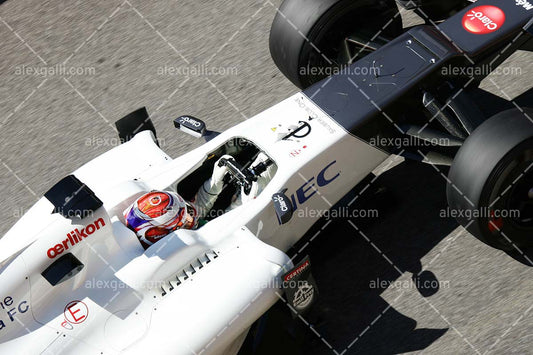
point(309, 38)
point(491, 181)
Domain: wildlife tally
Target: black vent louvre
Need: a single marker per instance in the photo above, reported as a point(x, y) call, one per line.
point(64, 268)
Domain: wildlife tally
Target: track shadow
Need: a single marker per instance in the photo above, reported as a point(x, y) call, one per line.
point(526, 99)
point(524, 256)
point(492, 104)
point(351, 273)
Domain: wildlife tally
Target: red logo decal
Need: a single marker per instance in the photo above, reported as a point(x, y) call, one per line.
point(76, 312)
point(297, 152)
point(298, 271)
point(484, 19)
point(74, 237)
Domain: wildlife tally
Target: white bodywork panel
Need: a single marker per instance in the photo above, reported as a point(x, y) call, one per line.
point(127, 300)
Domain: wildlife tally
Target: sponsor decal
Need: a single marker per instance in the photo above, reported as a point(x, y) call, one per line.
point(310, 187)
point(297, 271)
point(525, 4)
point(300, 287)
point(303, 130)
point(190, 120)
point(296, 152)
point(484, 19)
point(11, 309)
point(303, 296)
point(74, 237)
point(76, 312)
point(281, 203)
point(302, 103)
point(326, 125)
point(282, 207)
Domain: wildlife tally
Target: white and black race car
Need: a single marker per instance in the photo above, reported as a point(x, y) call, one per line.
point(82, 283)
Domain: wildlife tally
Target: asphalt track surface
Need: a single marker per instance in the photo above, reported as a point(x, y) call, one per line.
point(122, 52)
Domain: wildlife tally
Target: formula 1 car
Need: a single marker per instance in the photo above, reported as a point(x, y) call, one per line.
point(82, 283)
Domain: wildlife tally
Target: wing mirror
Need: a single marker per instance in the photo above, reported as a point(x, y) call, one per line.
point(282, 206)
point(194, 127)
point(190, 125)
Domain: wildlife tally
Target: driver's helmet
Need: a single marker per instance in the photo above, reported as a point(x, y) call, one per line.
point(158, 213)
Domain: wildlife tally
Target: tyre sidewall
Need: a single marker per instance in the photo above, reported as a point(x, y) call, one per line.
point(477, 166)
point(298, 23)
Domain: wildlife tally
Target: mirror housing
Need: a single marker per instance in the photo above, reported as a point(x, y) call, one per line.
point(191, 125)
point(283, 207)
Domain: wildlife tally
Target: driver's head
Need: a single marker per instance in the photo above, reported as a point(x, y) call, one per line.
point(157, 214)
